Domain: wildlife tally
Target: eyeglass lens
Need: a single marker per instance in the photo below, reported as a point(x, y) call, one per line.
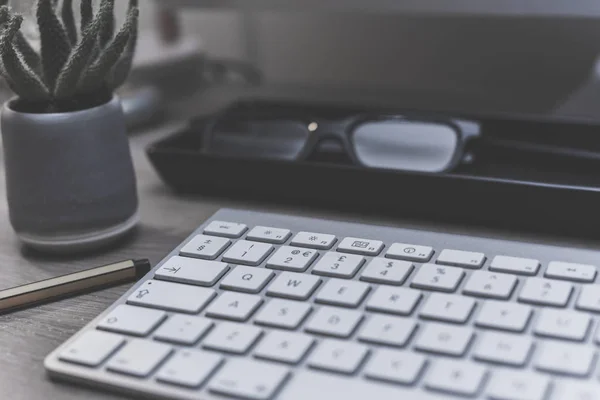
point(405, 145)
point(273, 139)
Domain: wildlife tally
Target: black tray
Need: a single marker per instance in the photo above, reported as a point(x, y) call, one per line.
point(534, 175)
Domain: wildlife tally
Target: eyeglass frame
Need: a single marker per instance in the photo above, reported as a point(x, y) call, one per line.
point(343, 130)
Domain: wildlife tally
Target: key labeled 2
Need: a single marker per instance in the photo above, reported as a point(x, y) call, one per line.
point(289, 258)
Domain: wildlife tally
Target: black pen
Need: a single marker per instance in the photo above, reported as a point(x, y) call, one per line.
point(72, 284)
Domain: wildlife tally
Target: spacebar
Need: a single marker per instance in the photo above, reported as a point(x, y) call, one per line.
point(321, 386)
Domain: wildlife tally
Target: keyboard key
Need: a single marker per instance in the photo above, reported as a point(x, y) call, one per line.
point(391, 272)
point(183, 329)
point(131, 320)
point(565, 359)
point(515, 265)
point(171, 296)
point(344, 293)
point(503, 348)
point(389, 331)
point(459, 378)
point(444, 339)
point(232, 338)
point(459, 258)
point(338, 356)
point(448, 308)
point(546, 292)
point(269, 235)
point(504, 316)
point(589, 298)
point(400, 301)
point(570, 390)
point(437, 277)
point(490, 285)
point(333, 321)
point(247, 253)
point(247, 279)
point(292, 285)
point(92, 348)
point(560, 324)
point(571, 272)
point(338, 265)
point(285, 347)
point(234, 380)
point(206, 247)
point(139, 357)
point(189, 368)
point(395, 366)
point(293, 259)
point(191, 271)
point(409, 252)
point(313, 240)
point(365, 247)
point(517, 385)
point(234, 306)
point(285, 314)
point(225, 229)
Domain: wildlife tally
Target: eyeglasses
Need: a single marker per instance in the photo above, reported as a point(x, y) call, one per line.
point(385, 141)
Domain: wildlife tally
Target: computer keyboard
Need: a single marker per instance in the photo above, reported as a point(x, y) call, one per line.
point(265, 306)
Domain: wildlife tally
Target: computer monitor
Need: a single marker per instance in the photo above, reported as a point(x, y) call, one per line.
point(512, 55)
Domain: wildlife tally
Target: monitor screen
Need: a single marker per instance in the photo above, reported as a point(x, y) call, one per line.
point(525, 56)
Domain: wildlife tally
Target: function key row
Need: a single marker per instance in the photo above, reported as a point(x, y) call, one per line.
point(215, 241)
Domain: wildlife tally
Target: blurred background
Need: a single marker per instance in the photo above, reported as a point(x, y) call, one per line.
point(519, 57)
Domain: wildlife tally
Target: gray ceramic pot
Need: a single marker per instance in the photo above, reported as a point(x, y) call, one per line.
point(69, 177)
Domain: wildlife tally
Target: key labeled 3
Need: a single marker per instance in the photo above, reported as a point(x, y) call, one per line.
point(338, 265)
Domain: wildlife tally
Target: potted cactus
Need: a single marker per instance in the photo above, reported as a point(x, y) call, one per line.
point(69, 174)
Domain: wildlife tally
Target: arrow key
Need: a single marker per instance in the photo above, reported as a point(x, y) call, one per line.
point(234, 380)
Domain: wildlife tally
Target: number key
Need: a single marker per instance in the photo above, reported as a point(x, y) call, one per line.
point(589, 298)
point(546, 292)
point(391, 272)
point(490, 285)
point(247, 253)
point(338, 265)
point(437, 277)
point(206, 247)
point(293, 259)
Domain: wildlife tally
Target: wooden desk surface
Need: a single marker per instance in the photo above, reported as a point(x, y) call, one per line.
point(27, 336)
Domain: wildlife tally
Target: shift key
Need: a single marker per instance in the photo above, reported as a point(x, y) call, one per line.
point(171, 296)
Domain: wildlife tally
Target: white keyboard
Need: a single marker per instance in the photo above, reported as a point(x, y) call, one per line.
point(263, 306)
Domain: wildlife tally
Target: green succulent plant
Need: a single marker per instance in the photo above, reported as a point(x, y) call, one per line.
point(75, 68)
